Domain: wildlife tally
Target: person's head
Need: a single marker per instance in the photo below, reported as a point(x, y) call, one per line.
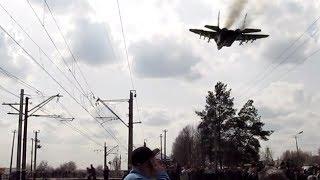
point(273, 175)
point(143, 159)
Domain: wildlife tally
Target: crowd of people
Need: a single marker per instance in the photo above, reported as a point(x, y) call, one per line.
point(282, 172)
point(146, 166)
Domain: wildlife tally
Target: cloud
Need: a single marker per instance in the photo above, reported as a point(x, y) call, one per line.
point(90, 41)
point(63, 7)
point(193, 11)
point(10, 60)
point(164, 58)
point(157, 117)
point(281, 98)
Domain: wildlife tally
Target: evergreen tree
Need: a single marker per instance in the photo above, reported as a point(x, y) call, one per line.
point(218, 109)
point(244, 132)
point(226, 138)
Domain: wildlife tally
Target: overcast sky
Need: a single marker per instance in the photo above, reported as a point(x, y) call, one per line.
point(172, 70)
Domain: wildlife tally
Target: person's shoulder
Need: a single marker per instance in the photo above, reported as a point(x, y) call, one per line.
point(133, 176)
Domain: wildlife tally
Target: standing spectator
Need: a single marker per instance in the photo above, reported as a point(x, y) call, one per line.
point(145, 166)
point(93, 172)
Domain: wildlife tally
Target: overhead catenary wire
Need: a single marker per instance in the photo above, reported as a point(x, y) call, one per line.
point(273, 69)
point(68, 124)
point(55, 46)
point(272, 66)
point(51, 39)
point(8, 91)
point(294, 67)
point(83, 92)
point(8, 74)
point(42, 51)
point(67, 45)
point(42, 94)
point(59, 84)
point(125, 44)
point(127, 56)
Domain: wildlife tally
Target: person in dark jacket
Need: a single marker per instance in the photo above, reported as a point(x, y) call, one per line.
point(145, 166)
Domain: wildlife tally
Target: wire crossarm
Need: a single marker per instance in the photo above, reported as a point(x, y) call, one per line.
point(103, 102)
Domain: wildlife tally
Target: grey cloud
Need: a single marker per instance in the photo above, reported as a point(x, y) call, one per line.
point(269, 113)
point(164, 58)
point(157, 118)
point(90, 41)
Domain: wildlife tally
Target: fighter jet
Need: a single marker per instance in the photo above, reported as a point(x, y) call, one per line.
point(225, 37)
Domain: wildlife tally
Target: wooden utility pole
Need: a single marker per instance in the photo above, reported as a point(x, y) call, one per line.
point(165, 144)
point(161, 146)
point(12, 149)
point(18, 168)
point(24, 147)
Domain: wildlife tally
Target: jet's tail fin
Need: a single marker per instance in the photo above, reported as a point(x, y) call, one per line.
point(219, 19)
point(244, 21)
point(215, 28)
point(248, 30)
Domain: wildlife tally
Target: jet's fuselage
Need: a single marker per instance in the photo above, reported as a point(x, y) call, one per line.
point(226, 37)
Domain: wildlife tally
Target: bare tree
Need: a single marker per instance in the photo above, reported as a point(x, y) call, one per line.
point(116, 163)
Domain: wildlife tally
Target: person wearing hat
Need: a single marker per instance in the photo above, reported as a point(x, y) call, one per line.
point(145, 166)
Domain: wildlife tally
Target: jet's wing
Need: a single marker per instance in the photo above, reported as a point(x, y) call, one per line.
point(215, 28)
point(250, 37)
point(209, 34)
point(250, 30)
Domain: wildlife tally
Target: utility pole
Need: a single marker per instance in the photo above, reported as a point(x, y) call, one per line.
point(25, 134)
point(26, 114)
point(165, 144)
point(161, 146)
point(106, 153)
point(12, 149)
point(36, 147)
point(129, 125)
point(145, 143)
point(105, 157)
point(18, 175)
point(130, 134)
point(31, 157)
point(296, 138)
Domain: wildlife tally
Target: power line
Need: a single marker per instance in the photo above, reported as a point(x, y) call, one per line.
point(8, 74)
point(67, 45)
point(9, 92)
point(294, 67)
point(35, 61)
point(127, 56)
point(75, 129)
point(55, 46)
point(125, 44)
point(47, 56)
point(51, 39)
point(49, 36)
point(272, 66)
point(34, 89)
